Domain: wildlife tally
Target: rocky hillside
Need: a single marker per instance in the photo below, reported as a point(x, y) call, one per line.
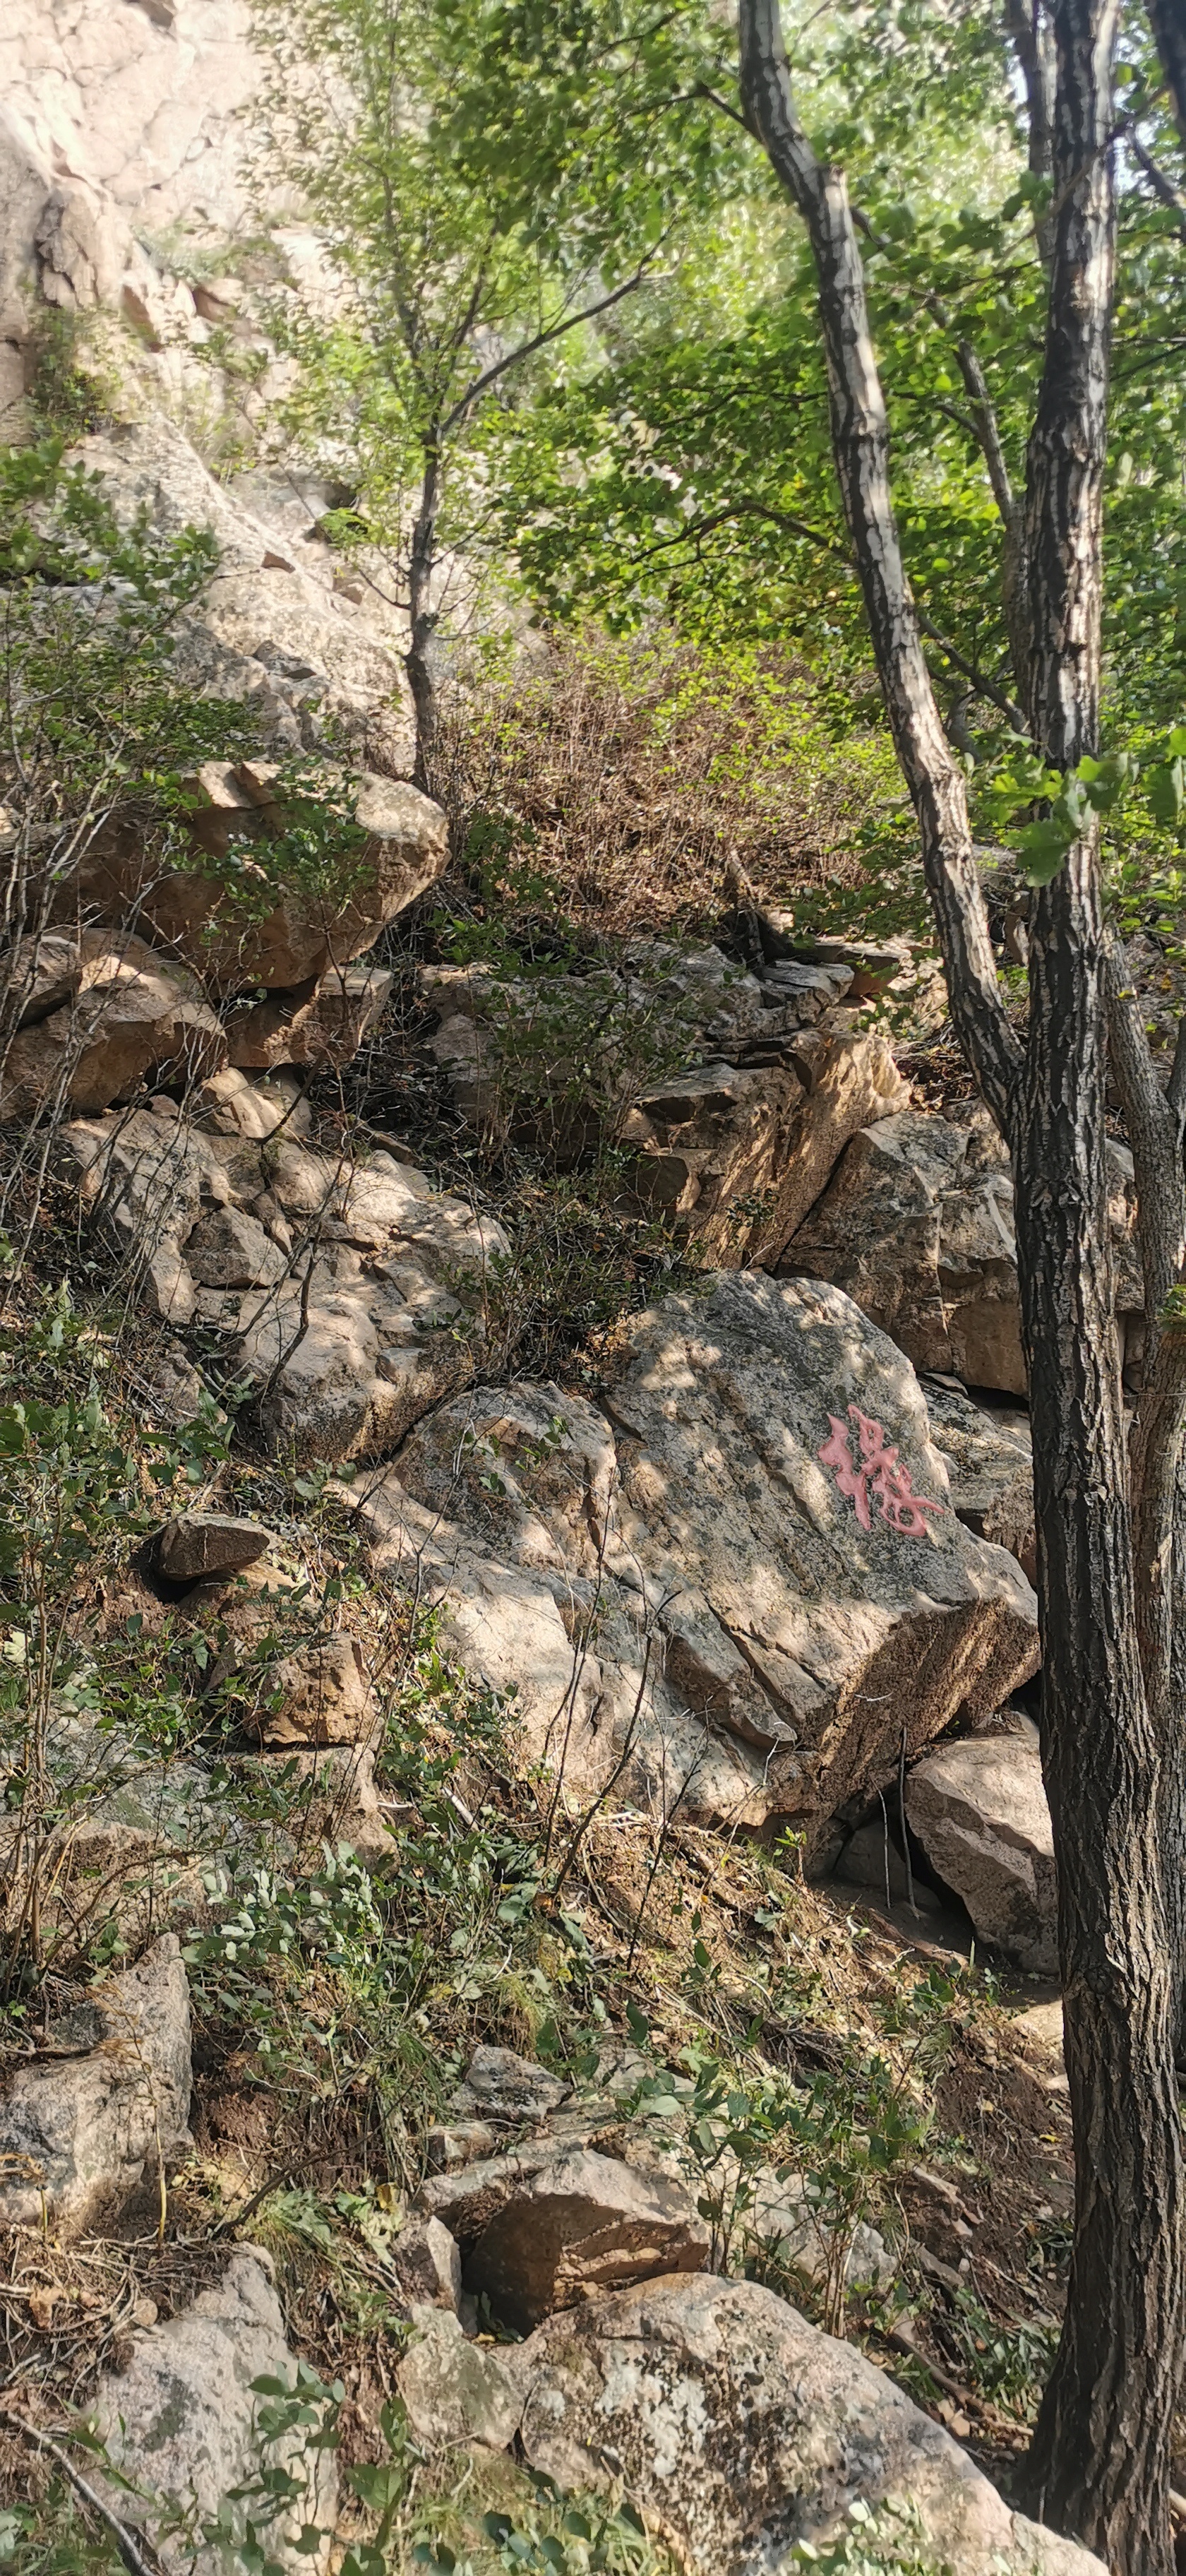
point(527, 2026)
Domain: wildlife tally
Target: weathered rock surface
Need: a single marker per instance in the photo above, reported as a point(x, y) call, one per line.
point(197, 1544)
point(458, 2392)
point(985, 1448)
point(321, 1024)
point(130, 1012)
point(507, 2089)
point(917, 1225)
point(741, 2429)
point(741, 1153)
point(319, 1696)
point(989, 1456)
point(768, 1623)
point(737, 1147)
point(77, 2131)
point(195, 918)
point(534, 2241)
point(979, 1810)
point(367, 1317)
point(426, 2262)
point(180, 2420)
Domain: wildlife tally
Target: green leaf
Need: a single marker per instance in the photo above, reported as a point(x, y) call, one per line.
point(1167, 791)
point(1042, 848)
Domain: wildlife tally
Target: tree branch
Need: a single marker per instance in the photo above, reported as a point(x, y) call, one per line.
point(540, 340)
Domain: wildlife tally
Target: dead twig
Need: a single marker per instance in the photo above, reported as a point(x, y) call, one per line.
point(132, 2554)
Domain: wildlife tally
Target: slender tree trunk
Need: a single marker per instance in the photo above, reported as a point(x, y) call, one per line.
point(422, 616)
point(1100, 2465)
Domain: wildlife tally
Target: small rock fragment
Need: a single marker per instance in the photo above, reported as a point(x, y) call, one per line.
point(500, 2086)
point(197, 1544)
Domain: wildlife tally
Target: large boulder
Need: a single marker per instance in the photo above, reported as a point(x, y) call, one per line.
point(917, 1225)
point(979, 1810)
point(180, 2422)
point(199, 916)
point(78, 2130)
point(125, 1012)
point(742, 1584)
point(740, 2429)
point(364, 1321)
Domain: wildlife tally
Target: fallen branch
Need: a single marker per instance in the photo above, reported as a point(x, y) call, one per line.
point(132, 2555)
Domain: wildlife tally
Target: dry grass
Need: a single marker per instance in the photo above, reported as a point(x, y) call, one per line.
point(623, 775)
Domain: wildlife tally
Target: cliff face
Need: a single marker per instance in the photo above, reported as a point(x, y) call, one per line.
point(119, 119)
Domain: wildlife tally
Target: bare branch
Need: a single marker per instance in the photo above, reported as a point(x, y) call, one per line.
point(541, 340)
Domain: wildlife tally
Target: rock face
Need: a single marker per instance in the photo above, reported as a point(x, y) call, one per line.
point(273, 627)
point(741, 1153)
point(735, 1148)
point(353, 1330)
point(979, 1810)
point(990, 1463)
point(77, 2132)
point(741, 1584)
point(180, 2420)
point(742, 2429)
point(917, 1225)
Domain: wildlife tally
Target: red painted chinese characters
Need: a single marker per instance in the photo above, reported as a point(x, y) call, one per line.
point(879, 1475)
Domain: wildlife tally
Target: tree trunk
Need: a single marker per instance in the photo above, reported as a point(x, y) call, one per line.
point(1167, 19)
point(1100, 2465)
point(1155, 1119)
point(422, 617)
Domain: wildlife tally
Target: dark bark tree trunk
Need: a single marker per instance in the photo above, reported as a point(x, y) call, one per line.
point(1167, 19)
point(1100, 2463)
point(422, 618)
point(1156, 1122)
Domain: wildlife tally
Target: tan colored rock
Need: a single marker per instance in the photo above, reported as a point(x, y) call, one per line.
point(193, 915)
point(581, 2224)
point(316, 1024)
point(686, 1595)
point(917, 1225)
point(133, 1013)
point(457, 2393)
point(739, 2429)
point(426, 2262)
point(229, 1249)
point(320, 1695)
point(77, 2132)
point(228, 1104)
point(979, 1810)
point(197, 1545)
point(741, 1154)
point(376, 1317)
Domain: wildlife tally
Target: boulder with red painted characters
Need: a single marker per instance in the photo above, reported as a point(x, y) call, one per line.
point(740, 1583)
